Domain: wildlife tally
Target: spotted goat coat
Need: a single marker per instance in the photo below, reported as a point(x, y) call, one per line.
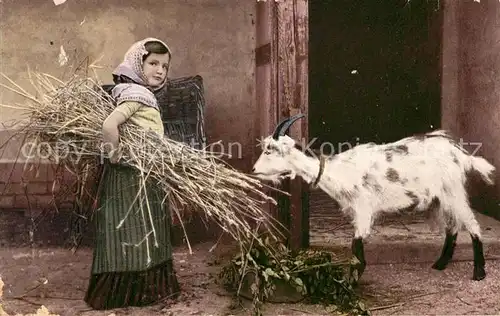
point(426, 173)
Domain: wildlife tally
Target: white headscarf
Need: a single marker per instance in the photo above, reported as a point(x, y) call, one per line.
point(131, 67)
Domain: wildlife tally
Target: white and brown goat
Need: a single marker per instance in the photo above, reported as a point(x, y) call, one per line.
point(418, 173)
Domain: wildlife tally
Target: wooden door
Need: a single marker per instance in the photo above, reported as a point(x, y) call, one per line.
point(282, 91)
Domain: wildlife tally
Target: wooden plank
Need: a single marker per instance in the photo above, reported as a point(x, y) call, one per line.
point(301, 210)
point(284, 78)
point(266, 77)
point(292, 42)
point(273, 109)
point(300, 192)
point(263, 55)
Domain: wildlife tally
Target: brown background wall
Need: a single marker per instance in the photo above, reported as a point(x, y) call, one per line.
point(471, 89)
point(211, 38)
point(479, 55)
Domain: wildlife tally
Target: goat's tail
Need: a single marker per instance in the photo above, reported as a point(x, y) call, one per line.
point(483, 167)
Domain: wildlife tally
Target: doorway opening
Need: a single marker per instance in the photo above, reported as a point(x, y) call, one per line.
point(374, 74)
point(374, 69)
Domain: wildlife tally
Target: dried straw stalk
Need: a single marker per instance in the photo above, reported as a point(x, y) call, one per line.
point(65, 122)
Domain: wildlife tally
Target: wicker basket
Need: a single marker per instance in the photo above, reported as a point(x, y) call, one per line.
point(182, 107)
point(182, 110)
point(182, 103)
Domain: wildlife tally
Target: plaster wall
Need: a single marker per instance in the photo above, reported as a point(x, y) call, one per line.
point(470, 86)
point(211, 38)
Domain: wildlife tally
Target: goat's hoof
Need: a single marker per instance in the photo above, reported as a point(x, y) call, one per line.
point(439, 265)
point(355, 273)
point(479, 273)
point(354, 278)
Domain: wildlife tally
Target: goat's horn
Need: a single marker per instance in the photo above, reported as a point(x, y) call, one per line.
point(284, 128)
point(278, 128)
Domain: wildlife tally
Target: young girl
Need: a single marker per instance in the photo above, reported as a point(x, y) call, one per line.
point(128, 269)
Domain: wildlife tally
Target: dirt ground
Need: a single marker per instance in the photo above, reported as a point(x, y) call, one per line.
point(393, 289)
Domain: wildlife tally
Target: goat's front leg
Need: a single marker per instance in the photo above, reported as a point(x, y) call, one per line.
point(362, 224)
point(358, 254)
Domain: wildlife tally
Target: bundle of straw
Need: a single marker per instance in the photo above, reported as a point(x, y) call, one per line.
point(67, 117)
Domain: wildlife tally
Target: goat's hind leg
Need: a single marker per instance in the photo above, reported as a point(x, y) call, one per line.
point(465, 215)
point(449, 247)
point(450, 242)
point(449, 222)
point(479, 262)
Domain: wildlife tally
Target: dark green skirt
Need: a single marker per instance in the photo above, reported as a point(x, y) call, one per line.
point(132, 264)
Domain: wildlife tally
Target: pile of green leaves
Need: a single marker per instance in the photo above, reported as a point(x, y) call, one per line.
point(316, 275)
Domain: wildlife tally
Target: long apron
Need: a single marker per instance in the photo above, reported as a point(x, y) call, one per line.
point(132, 263)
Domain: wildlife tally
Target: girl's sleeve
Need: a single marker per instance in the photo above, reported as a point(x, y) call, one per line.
point(128, 108)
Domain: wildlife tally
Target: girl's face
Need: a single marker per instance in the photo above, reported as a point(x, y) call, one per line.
point(155, 69)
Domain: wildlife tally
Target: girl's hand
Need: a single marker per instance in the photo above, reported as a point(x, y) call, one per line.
point(115, 155)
